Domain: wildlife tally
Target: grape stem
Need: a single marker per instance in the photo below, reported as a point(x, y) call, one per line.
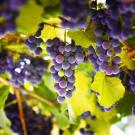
point(5, 82)
point(131, 51)
point(13, 37)
point(21, 113)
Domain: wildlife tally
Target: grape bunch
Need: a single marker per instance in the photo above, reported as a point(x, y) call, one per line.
point(34, 42)
point(9, 11)
point(65, 58)
point(74, 13)
point(116, 21)
point(36, 124)
point(26, 69)
point(128, 80)
point(104, 58)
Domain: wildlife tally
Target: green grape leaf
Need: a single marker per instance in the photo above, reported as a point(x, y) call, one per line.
point(83, 38)
point(110, 89)
point(5, 124)
point(61, 118)
point(29, 18)
point(51, 32)
point(51, 12)
point(44, 88)
point(126, 61)
point(79, 102)
point(4, 91)
point(107, 116)
point(124, 106)
point(100, 126)
point(4, 121)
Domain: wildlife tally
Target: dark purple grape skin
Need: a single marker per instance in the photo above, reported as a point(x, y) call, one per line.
point(65, 58)
point(77, 17)
point(33, 120)
point(60, 99)
point(63, 84)
point(68, 72)
point(85, 114)
point(59, 59)
point(65, 65)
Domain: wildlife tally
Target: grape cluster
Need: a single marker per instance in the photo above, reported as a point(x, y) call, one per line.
point(9, 11)
point(104, 58)
point(128, 80)
point(65, 58)
point(34, 42)
point(36, 124)
point(27, 68)
point(116, 21)
point(75, 13)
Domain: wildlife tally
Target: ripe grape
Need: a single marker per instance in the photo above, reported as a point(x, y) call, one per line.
point(65, 58)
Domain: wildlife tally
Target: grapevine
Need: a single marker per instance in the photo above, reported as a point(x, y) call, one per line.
point(67, 67)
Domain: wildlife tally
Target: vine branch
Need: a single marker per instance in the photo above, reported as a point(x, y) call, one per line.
point(21, 113)
point(30, 93)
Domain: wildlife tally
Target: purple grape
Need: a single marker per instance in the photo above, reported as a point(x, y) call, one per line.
point(71, 79)
point(67, 48)
point(68, 94)
point(116, 59)
point(63, 84)
point(38, 51)
point(65, 65)
point(68, 72)
point(85, 114)
point(71, 59)
point(106, 45)
point(59, 59)
point(60, 99)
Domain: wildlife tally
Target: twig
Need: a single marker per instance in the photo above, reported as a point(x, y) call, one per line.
point(30, 93)
point(21, 113)
point(13, 37)
point(131, 50)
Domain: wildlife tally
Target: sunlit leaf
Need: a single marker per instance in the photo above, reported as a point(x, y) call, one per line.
point(110, 89)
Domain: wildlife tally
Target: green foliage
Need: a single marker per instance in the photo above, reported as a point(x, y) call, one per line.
point(43, 89)
point(4, 90)
point(124, 106)
point(51, 12)
point(83, 38)
point(29, 18)
point(82, 90)
point(5, 124)
point(51, 32)
point(110, 89)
